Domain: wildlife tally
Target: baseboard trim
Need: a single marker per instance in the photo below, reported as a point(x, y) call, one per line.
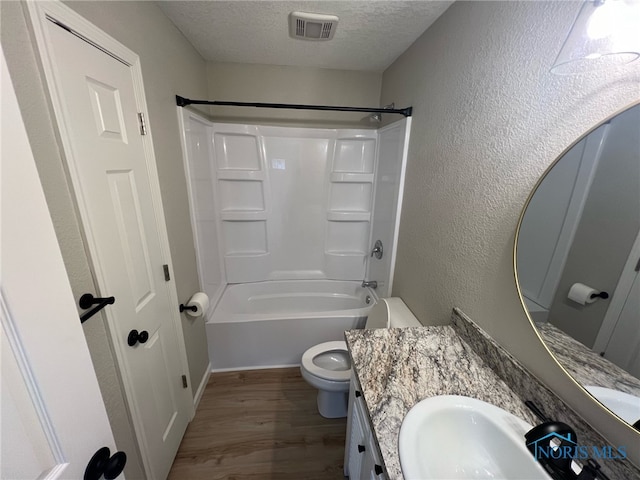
point(201, 388)
point(253, 367)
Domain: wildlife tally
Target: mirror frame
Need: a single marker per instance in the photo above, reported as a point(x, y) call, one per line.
point(515, 262)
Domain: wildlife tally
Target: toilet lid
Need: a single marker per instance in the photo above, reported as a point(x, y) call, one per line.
point(340, 348)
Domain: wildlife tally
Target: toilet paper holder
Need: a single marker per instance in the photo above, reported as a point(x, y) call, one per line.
point(585, 295)
point(87, 301)
point(197, 305)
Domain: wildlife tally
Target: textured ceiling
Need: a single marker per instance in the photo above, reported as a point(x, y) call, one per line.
point(371, 34)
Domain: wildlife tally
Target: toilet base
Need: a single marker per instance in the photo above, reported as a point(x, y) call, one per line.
point(333, 404)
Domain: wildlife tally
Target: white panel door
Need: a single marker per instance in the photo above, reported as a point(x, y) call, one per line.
point(113, 186)
point(618, 339)
point(623, 347)
point(52, 416)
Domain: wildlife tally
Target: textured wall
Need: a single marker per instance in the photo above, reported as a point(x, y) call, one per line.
point(278, 84)
point(489, 118)
point(169, 65)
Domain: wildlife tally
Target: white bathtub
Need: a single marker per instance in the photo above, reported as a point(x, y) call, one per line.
point(271, 324)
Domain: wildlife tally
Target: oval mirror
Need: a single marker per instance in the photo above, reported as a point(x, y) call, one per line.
point(578, 262)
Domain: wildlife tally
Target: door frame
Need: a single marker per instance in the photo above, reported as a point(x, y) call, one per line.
point(618, 299)
point(40, 13)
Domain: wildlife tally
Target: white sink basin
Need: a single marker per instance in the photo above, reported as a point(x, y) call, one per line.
point(455, 437)
point(626, 406)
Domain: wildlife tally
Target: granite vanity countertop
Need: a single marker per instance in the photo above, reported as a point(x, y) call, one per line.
point(585, 365)
point(398, 367)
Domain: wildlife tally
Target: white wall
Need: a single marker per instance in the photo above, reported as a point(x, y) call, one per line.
point(488, 120)
point(282, 84)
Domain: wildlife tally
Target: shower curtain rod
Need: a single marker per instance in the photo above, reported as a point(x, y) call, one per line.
point(183, 102)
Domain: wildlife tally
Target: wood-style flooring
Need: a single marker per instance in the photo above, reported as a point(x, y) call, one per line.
point(260, 424)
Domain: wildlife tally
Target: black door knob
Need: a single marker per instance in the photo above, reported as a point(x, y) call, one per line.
point(135, 337)
point(103, 463)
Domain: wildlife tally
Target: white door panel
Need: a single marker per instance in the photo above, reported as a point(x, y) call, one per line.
point(52, 415)
point(618, 339)
point(623, 347)
point(111, 178)
point(29, 453)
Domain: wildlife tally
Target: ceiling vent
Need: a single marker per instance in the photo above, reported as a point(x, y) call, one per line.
point(312, 26)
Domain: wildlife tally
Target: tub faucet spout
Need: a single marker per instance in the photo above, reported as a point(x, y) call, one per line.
point(372, 284)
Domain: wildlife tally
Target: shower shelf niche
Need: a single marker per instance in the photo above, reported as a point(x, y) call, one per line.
point(249, 175)
point(243, 215)
point(349, 206)
point(351, 177)
point(240, 180)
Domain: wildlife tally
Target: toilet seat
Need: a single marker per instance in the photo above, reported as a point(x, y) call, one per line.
point(317, 371)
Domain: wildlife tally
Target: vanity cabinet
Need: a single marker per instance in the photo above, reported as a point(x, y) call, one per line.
point(362, 461)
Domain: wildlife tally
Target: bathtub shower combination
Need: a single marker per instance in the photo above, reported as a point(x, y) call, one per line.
point(285, 222)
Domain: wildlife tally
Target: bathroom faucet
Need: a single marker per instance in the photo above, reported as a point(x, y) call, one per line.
point(372, 284)
point(377, 250)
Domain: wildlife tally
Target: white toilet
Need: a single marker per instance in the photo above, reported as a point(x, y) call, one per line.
point(327, 366)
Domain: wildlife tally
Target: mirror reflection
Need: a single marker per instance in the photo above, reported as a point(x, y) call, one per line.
point(578, 262)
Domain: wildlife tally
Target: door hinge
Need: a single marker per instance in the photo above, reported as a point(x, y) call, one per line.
point(143, 125)
point(167, 276)
point(184, 381)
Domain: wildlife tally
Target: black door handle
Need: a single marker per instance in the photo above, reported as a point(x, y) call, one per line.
point(135, 337)
point(103, 463)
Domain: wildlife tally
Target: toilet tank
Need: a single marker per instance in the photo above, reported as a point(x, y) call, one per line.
point(391, 313)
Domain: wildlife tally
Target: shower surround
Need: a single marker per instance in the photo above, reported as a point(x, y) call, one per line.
point(287, 204)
